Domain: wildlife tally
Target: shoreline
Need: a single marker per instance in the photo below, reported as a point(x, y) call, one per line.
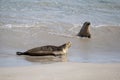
point(63, 71)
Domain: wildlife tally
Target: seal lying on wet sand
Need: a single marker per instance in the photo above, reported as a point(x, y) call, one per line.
point(84, 32)
point(47, 50)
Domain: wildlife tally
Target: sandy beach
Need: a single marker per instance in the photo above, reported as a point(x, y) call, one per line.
point(62, 71)
point(88, 59)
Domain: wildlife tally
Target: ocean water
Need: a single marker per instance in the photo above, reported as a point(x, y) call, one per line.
point(98, 12)
point(25, 24)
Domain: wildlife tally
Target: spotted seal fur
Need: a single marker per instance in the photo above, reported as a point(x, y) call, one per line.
point(47, 50)
point(84, 32)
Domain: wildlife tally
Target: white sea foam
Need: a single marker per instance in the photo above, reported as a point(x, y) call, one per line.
point(63, 34)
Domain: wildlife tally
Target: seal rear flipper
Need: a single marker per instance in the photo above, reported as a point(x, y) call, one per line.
point(20, 53)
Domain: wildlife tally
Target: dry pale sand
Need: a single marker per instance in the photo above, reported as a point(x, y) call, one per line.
point(63, 71)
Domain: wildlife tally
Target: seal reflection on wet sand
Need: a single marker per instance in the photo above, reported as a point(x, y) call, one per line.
point(84, 32)
point(47, 50)
point(46, 59)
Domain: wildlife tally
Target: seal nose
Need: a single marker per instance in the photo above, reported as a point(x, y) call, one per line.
point(87, 23)
point(69, 44)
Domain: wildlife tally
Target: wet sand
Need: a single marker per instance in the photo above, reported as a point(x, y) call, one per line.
point(103, 47)
point(63, 71)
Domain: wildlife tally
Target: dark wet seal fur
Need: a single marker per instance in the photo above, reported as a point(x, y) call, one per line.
point(84, 32)
point(47, 50)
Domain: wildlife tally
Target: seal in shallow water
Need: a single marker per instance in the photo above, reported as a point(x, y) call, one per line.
point(47, 50)
point(84, 32)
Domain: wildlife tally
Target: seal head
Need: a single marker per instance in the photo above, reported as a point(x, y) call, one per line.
point(65, 47)
point(85, 32)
